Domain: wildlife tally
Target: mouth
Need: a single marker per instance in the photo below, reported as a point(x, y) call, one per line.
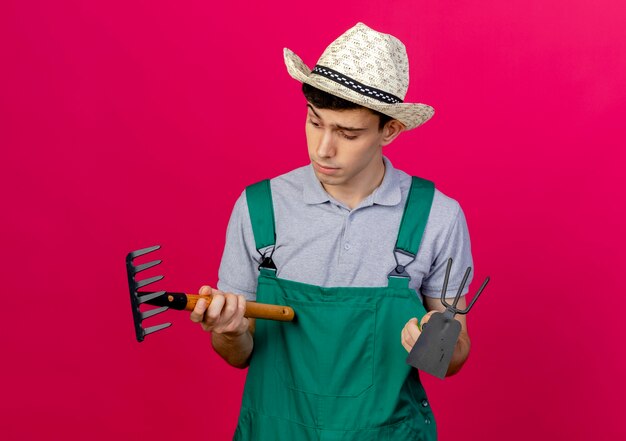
point(325, 169)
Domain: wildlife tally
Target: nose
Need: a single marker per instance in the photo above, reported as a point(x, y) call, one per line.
point(326, 147)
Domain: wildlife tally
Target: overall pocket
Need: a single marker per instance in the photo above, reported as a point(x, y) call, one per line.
point(329, 349)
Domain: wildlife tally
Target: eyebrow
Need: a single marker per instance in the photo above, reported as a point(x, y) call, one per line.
point(347, 129)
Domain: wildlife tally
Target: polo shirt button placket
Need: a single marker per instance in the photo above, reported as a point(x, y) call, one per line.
point(346, 226)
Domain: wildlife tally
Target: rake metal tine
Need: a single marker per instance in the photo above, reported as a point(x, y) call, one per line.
point(143, 251)
point(145, 282)
point(147, 297)
point(466, 310)
point(145, 315)
point(145, 266)
point(155, 328)
point(445, 283)
point(463, 282)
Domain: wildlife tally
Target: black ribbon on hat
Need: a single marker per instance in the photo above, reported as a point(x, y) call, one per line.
point(363, 89)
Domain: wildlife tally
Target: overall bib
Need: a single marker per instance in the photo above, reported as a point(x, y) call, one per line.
point(338, 371)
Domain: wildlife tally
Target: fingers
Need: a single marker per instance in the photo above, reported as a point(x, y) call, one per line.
point(411, 331)
point(241, 305)
point(231, 320)
point(207, 290)
point(409, 335)
point(426, 318)
point(223, 315)
point(197, 315)
point(214, 310)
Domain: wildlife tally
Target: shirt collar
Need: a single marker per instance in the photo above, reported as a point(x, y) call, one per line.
point(388, 193)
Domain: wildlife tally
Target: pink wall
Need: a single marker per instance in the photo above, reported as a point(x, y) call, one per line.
point(125, 124)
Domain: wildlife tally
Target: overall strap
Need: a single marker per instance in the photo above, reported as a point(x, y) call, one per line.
point(261, 209)
point(412, 226)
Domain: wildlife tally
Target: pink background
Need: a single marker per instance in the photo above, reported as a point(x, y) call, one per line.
point(127, 124)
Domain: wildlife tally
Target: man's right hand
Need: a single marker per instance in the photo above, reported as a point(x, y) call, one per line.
point(224, 315)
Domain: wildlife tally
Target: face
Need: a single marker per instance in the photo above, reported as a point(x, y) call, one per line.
point(345, 146)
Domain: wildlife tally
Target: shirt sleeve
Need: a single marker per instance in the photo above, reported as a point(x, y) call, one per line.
point(458, 247)
point(239, 271)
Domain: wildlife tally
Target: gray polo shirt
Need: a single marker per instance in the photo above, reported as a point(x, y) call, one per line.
point(322, 242)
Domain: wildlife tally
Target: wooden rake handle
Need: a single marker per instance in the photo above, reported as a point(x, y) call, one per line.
point(253, 309)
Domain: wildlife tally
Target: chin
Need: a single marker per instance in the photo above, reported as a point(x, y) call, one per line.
point(328, 180)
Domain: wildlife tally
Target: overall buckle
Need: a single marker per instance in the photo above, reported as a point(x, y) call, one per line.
point(400, 269)
point(267, 261)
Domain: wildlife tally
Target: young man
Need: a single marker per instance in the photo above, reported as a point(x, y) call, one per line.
point(356, 247)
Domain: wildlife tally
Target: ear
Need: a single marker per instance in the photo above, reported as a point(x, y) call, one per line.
point(391, 131)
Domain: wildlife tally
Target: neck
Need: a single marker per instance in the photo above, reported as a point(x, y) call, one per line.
point(353, 193)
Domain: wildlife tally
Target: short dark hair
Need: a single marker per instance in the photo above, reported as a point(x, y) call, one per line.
point(325, 100)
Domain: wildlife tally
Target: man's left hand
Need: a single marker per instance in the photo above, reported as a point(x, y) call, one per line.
point(411, 332)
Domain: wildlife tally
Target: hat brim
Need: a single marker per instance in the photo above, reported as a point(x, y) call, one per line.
point(411, 115)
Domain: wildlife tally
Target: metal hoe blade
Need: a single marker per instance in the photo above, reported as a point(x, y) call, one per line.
point(433, 350)
point(137, 298)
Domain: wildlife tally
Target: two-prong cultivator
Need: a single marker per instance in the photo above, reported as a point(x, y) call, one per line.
point(433, 350)
point(177, 300)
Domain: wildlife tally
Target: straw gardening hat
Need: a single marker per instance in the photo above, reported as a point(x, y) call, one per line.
point(365, 67)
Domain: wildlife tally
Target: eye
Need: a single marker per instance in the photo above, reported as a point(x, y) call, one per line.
point(314, 123)
point(349, 137)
